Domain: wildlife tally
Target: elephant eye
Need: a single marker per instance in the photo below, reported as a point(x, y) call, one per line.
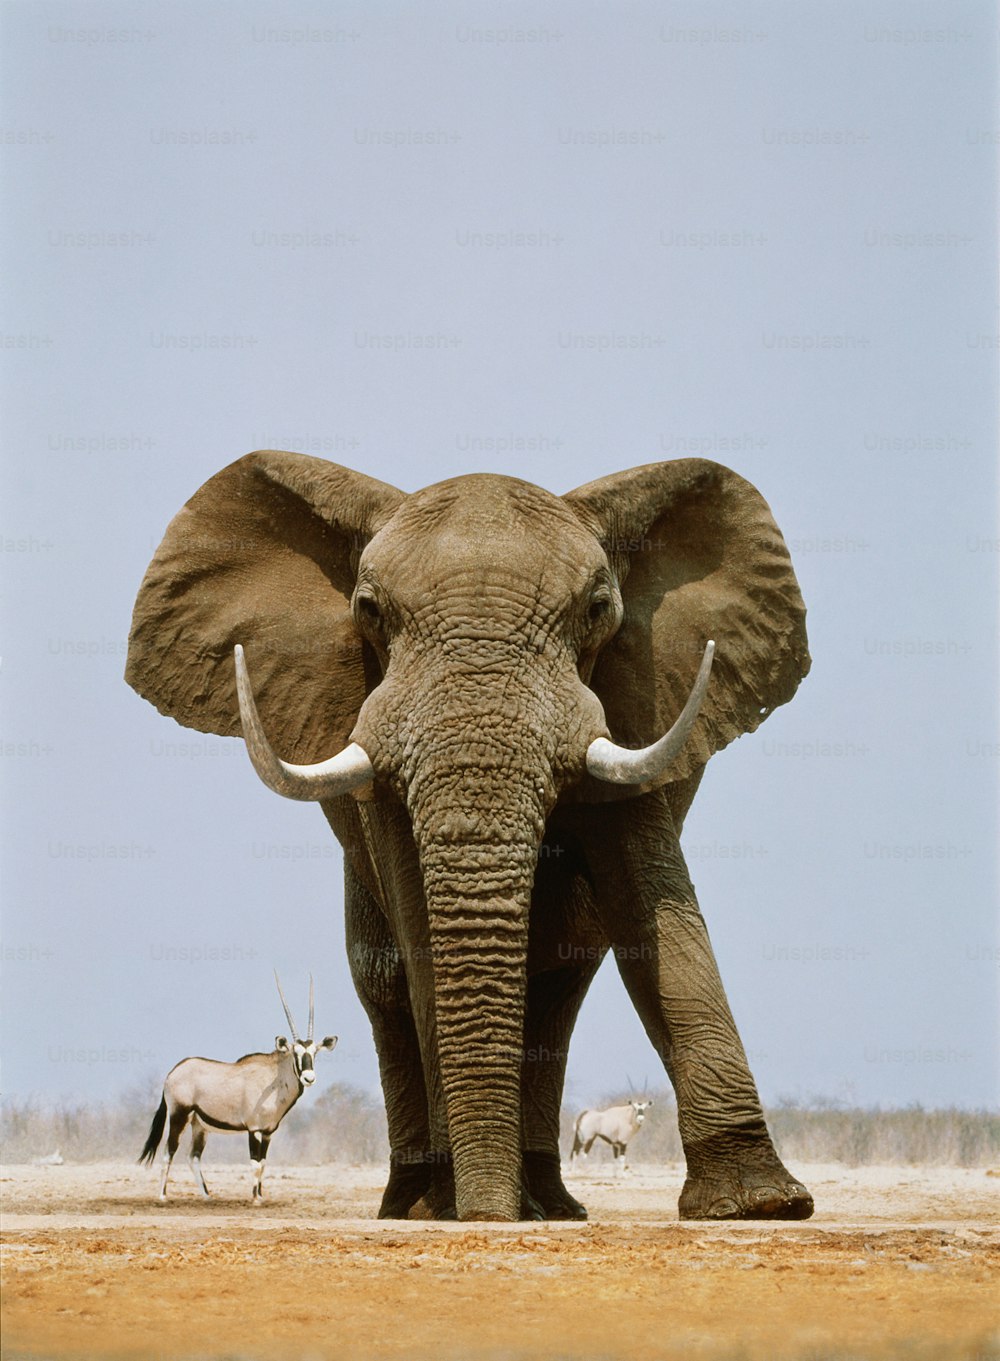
point(598, 608)
point(368, 610)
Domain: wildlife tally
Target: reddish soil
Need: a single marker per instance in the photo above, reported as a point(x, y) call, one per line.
point(898, 1262)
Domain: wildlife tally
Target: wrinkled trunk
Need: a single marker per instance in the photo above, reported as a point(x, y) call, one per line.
point(478, 859)
point(473, 752)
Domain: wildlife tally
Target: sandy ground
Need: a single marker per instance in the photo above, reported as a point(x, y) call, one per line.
point(897, 1262)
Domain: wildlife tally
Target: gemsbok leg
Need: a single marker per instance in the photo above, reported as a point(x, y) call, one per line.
point(258, 1155)
point(179, 1117)
point(198, 1136)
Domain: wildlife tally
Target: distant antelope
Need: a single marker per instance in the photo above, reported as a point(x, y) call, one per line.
point(616, 1126)
point(254, 1094)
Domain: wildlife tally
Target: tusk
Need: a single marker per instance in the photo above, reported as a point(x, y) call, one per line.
point(620, 765)
point(291, 1023)
point(349, 769)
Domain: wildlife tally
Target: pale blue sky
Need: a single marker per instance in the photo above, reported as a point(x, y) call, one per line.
point(214, 215)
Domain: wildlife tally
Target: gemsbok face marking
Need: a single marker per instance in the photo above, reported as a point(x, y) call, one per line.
point(303, 1052)
point(253, 1094)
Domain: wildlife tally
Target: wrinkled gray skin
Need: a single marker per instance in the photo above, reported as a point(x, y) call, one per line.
point(474, 638)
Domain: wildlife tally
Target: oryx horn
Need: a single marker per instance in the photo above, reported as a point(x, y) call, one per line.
point(310, 1034)
point(620, 765)
point(349, 769)
point(291, 1023)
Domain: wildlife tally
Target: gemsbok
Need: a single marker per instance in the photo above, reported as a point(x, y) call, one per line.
point(616, 1126)
point(254, 1094)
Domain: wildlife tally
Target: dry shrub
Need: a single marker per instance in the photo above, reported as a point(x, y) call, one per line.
point(824, 1131)
point(344, 1123)
point(79, 1131)
point(827, 1131)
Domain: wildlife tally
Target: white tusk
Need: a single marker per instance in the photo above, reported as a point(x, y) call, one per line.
point(621, 765)
point(349, 769)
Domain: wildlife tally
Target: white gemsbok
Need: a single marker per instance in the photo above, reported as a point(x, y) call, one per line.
point(254, 1094)
point(616, 1126)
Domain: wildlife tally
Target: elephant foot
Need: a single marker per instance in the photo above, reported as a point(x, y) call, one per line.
point(542, 1183)
point(438, 1198)
point(530, 1207)
point(741, 1178)
point(408, 1181)
point(426, 1190)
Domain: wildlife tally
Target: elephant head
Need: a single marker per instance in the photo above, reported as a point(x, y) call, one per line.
point(468, 651)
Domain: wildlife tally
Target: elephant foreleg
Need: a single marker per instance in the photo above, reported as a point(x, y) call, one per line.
point(380, 980)
point(564, 953)
point(662, 949)
point(554, 999)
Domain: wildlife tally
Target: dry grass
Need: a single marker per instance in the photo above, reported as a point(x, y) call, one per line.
point(828, 1132)
point(344, 1123)
point(341, 1124)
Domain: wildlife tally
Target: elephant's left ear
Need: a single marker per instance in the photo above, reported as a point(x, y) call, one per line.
point(698, 556)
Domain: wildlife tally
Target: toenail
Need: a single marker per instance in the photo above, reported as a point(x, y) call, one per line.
point(724, 1209)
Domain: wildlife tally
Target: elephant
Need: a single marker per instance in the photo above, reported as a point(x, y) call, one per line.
point(504, 701)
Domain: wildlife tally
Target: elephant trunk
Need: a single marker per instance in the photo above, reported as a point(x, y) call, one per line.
point(478, 872)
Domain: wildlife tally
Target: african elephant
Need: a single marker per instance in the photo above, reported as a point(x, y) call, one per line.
point(445, 670)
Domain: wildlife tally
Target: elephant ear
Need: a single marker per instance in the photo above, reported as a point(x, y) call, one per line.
point(698, 556)
point(264, 554)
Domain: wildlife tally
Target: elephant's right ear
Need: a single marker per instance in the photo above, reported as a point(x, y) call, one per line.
point(264, 554)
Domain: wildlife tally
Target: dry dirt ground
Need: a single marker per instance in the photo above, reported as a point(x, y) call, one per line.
point(897, 1262)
